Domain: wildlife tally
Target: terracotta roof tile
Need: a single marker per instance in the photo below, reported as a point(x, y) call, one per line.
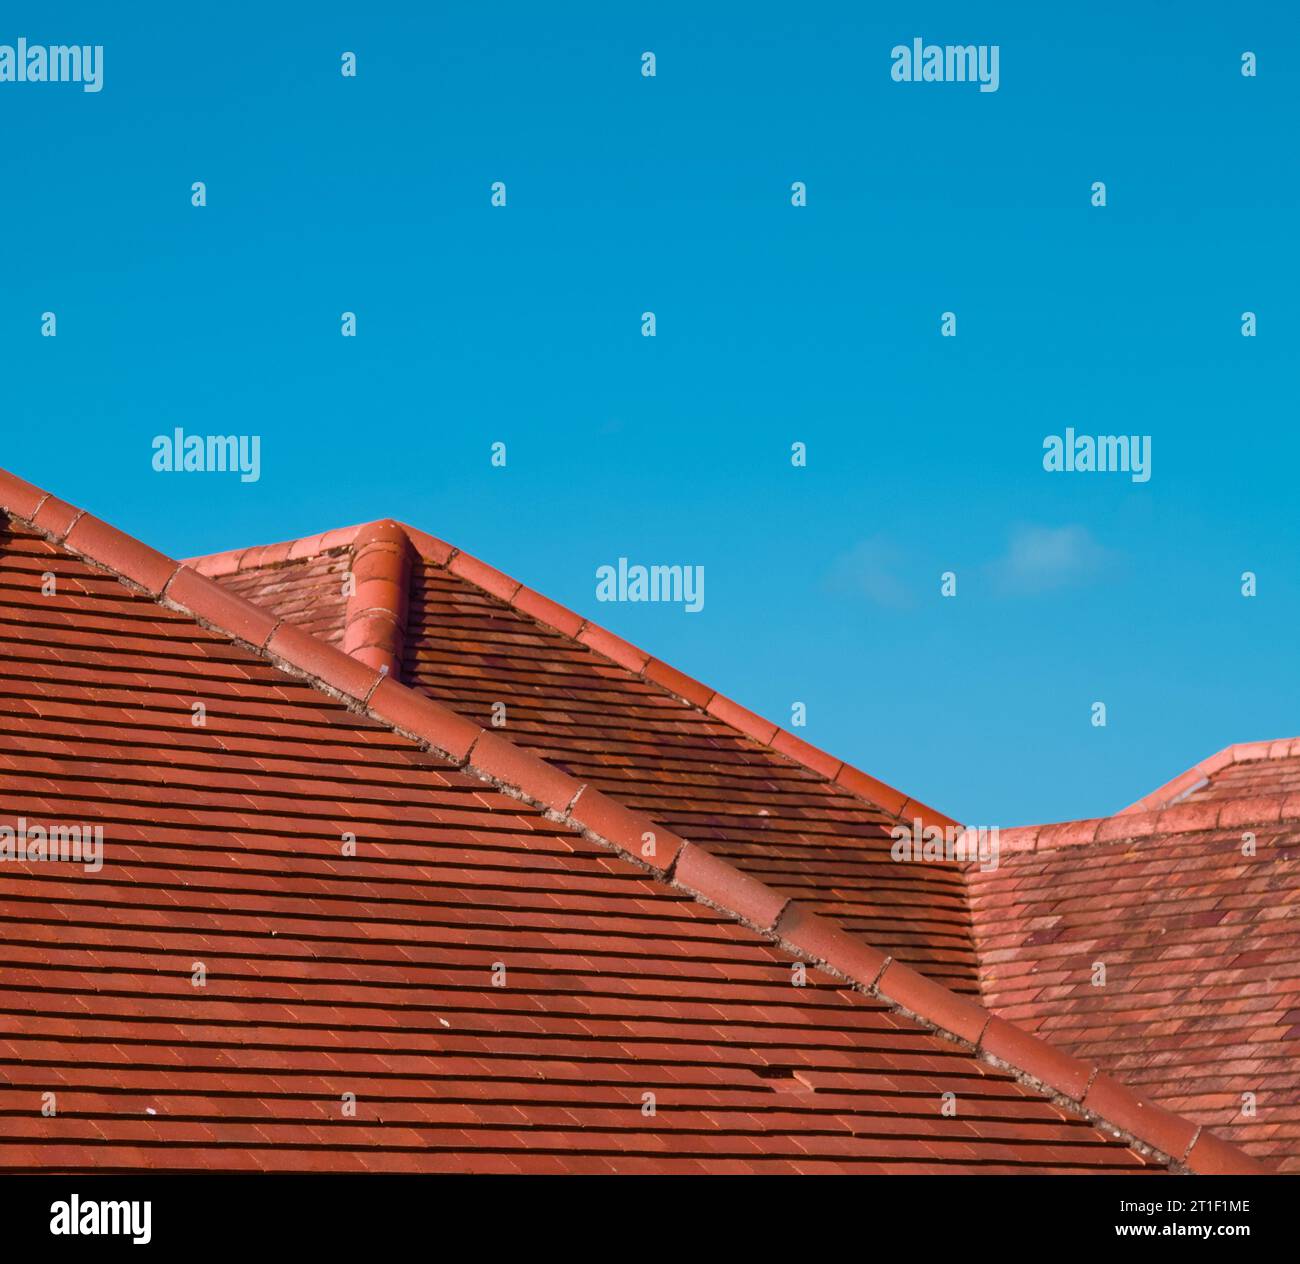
point(1201, 951)
point(606, 714)
point(371, 972)
point(468, 650)
point(1236, 772)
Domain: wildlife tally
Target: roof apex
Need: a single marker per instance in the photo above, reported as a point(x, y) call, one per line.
point(575, 627)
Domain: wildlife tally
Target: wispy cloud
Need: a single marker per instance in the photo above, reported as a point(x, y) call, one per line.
point(869, 569)
point(1039, 559)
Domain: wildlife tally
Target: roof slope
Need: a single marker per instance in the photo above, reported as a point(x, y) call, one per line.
point(627, 969)
point(1199, 935)
point(608, 714)
point(1242, 771)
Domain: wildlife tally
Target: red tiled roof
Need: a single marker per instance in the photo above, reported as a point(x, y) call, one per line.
point(628, 970)
point(607, 713)
point(1236, 772)
point(1200, 1003)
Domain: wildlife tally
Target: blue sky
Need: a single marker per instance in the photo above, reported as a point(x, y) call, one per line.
point(775, 324)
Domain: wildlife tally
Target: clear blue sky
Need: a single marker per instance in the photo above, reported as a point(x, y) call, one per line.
point(775, 324)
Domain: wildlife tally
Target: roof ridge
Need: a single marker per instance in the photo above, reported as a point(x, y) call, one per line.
point(378, 592)
point(1198, 775)
point(1133, 826)
point(879, 794)
point(1079, 1085)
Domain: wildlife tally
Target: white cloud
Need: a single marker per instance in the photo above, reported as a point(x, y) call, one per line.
point(868, 570)
point(1041, 558)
